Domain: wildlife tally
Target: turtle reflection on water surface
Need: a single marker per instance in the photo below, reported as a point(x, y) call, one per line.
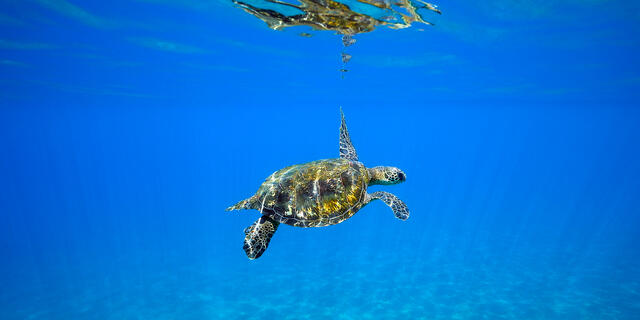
point(317, 194)
point(337, 16)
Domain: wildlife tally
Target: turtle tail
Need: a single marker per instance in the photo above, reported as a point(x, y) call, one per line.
point(244, 204)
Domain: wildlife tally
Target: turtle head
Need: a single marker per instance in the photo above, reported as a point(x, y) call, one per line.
point(386, 175)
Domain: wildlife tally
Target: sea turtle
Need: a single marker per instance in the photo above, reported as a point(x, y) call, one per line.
point(317, 194)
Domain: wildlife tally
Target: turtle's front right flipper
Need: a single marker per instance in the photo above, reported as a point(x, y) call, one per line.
point(400, 209)
point(258, 235)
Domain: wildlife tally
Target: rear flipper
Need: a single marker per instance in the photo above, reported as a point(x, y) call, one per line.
point(244, 204)
point(258, 235)
point(400, 209)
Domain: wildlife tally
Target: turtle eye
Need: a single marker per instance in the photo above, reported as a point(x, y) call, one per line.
point(402, 176)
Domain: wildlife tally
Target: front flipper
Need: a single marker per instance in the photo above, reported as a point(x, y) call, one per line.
point(347, 151)
point(258, 235)
point(399, 208)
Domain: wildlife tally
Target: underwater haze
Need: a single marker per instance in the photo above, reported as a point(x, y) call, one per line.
point(127, 128)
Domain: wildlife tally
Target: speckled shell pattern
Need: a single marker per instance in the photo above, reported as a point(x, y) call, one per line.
point(313, 194)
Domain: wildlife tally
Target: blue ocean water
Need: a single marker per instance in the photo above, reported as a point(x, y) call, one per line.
point(127, 127)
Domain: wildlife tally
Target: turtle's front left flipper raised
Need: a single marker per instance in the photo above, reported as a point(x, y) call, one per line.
point(399, 208)
point(347, 151)
point(258, 235)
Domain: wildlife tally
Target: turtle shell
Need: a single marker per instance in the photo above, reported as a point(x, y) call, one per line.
point(314, 194)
